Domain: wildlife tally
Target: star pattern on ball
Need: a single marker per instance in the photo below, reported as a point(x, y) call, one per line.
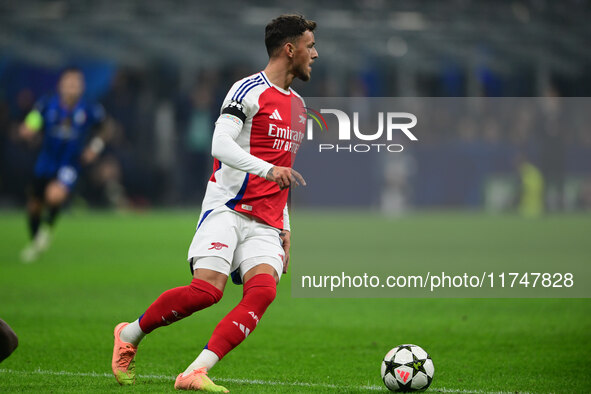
point(417, 365)
point(391, 366)
point(396, 374)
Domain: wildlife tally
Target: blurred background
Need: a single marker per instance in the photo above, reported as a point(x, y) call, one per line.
point(161, 70)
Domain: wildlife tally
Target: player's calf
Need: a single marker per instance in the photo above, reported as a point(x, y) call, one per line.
point(178, 303)
point(259, 292)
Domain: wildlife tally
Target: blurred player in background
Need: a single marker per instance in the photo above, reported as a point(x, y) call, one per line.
point(64, 122)
point(8, 340)
point(243, 229)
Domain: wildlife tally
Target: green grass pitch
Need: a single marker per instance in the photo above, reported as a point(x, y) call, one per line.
point(104, 268)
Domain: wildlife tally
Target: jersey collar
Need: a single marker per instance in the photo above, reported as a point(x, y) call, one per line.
point(273, 85)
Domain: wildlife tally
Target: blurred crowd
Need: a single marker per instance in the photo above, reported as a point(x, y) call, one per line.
point(164, 121)
point(504, 154)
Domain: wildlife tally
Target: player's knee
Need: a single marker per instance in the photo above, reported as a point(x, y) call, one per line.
point(208, 269)
point(267, 294)
point(201, 287)
point(34, 206)
point(261, 287)
point(56, 194)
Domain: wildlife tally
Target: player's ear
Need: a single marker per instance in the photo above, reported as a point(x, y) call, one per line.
point(289, 49)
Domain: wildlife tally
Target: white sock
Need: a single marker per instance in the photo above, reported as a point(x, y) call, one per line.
point(206, 359)
point(132, 333)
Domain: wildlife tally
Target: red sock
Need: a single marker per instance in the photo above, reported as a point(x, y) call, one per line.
point(180, 302)
point(258, 293)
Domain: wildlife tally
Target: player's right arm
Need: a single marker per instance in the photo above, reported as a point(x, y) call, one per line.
point(225, 148)
point(104, 127)
point(285, 176)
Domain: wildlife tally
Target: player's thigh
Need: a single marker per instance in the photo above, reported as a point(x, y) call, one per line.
point(56, 193)
point(36, 194)
point(58, 190)
point(261, 268)
point(35, 204)
point(211, 274)
point(261, 252)
point(216, 236)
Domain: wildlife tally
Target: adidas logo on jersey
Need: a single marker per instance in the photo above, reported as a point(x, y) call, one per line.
point(275, 115)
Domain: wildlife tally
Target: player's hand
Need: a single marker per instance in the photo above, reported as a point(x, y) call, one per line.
point(26, 133)
point(285, 236)
point(285, 177)
point(89, 156)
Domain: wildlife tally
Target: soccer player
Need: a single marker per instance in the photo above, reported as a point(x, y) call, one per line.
point(65, 122)
point(244, 228)
point(8, 340)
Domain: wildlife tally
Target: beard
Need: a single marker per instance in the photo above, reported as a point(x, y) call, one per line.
point(302, 73)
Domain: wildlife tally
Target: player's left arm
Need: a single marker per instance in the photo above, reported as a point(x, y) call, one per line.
point(286, 243)
point(285, 236)
point(105, 128)
point(32, 125)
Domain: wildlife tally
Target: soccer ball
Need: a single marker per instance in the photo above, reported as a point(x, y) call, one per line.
point(407, 368)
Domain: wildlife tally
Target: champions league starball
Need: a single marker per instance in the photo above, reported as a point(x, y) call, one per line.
point(407, 368)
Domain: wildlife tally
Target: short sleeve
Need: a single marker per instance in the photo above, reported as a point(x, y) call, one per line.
point(241, 101)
